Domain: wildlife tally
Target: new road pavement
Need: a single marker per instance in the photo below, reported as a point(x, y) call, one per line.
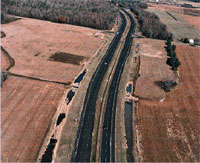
point(83, 143)
point(108, 134)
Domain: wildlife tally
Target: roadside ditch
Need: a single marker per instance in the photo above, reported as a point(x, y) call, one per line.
point(67, 115)
point(48, 153)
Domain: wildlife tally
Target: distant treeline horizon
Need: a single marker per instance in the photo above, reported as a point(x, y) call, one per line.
point(89, 13)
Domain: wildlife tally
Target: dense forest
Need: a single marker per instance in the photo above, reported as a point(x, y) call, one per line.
point(150, 24)
point(89, 13)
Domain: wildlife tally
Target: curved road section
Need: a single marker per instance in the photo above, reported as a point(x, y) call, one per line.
point(82, 146)
point(108, 134)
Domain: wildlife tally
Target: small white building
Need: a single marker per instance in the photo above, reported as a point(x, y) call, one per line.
point(191, 42)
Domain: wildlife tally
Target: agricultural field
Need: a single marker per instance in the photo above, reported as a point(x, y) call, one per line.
point(195, 4)
point(193, 20)
point(176, 23)
point(174, 8)
point(168, 131)
point(153, 69)
point(40, 48)
point(27, 108)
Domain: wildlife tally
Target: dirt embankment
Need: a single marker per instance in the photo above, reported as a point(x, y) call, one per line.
point(168, 131)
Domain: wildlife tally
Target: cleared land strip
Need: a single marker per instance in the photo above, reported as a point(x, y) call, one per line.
point(108, 135)
point(82, 147)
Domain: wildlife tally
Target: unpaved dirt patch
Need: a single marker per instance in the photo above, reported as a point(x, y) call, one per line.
point(153, 68)
point(27, 108)
point(67, 58)
point(168, 131)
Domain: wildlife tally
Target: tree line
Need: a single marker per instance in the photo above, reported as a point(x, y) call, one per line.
point(150, 24)
point(89, 13)
point(172, 59)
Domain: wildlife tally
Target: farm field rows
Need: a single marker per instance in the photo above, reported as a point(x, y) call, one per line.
point(27, 108)
point(168, 131)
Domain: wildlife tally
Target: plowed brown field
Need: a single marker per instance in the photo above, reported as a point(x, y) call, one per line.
point(27, 108)
point(32, 42)
point(169, 131)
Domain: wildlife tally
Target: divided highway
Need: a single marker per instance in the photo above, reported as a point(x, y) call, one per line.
point(82, 147)
point(108, 134)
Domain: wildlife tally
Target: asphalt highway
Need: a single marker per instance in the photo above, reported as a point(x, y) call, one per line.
point(82, 147)
point(108, 134)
